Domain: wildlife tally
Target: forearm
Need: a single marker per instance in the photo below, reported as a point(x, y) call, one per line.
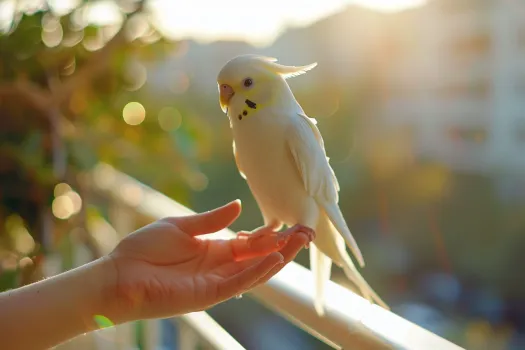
point(49, 312)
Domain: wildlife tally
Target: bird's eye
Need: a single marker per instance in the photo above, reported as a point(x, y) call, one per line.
point(248, 82)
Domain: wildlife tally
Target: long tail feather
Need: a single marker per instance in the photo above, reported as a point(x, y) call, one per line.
point(321, 266)
point(337, 219)
point(354, 275)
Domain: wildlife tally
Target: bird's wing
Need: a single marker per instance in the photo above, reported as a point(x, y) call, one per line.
point(237, 161)
point(307, 148)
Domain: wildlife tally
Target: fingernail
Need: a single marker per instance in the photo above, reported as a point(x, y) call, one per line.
point(281, 258)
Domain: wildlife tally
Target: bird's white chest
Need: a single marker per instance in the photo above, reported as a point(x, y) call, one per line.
point(260, 146)
point(265, 159)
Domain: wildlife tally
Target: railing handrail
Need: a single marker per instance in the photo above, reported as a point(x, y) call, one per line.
point(350, 321)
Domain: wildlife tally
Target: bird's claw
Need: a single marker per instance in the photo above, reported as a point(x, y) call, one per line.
point(304, 229)
point(265, 236)
point(264, 241)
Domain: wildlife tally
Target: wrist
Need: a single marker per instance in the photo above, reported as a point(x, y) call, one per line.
point(106, 301)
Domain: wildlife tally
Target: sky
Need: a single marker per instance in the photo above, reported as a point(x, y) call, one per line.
point(258, 22)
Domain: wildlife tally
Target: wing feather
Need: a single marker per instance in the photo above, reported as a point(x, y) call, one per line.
point(310, 157)
point(307, 148)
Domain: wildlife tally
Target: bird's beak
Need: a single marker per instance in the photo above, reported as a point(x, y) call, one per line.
point(225, 94)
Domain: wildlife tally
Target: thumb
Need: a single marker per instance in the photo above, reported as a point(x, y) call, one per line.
point(210, 221)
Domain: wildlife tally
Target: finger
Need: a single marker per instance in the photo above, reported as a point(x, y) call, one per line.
point(242, 281)
point(244, 248)
point(289, 252)
point(208, 222)
point(296, 243)
point(231, 268)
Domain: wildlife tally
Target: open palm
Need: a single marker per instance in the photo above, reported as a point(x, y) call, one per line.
point(163, 269)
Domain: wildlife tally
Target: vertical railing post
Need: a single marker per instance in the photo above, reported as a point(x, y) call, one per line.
point(151, 334)
point(188, 338)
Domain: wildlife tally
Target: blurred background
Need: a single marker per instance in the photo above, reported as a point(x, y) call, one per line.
point(421, 105)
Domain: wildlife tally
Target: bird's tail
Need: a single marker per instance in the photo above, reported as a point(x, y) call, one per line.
point(321, 266)
point(354, 276)
point(330, 246)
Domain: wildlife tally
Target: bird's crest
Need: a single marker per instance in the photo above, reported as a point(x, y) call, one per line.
point(286, 72)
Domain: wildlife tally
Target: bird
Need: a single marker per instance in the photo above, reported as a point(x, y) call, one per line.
point(280, 153)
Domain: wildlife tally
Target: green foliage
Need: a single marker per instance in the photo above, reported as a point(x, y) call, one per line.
point(63, 85)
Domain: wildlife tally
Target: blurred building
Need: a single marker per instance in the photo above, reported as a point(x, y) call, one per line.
point(457, 79)
point(452, 72)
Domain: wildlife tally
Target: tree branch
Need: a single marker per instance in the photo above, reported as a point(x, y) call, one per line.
point(32, 94)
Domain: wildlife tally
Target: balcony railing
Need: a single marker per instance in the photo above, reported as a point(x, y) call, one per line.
point(350, 322)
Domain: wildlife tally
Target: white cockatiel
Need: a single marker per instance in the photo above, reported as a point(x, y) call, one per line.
point(280, 152)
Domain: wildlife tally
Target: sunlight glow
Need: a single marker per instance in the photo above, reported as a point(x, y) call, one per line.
point(259, 22)
point(389, 5)
point(206, 20)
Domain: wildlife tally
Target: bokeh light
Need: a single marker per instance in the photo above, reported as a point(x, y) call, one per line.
point(22, 239)
point(61, 7)
point(61, 189)
point(197, 181)
point(94, 42)
point(137, 26)
point(76, 200)
point(134, 113)
point(170, 119)
point(67, 202)
point(136, 75)
point(62, 207)
point(52, 32)
point(24, 242)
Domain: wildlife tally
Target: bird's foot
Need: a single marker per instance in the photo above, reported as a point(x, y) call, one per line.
point(304, 229)
point(265, 240)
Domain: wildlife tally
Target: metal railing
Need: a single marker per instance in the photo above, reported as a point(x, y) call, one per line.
point(350, 322)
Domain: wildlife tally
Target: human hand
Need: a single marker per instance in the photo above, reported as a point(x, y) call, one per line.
point(164, 269)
